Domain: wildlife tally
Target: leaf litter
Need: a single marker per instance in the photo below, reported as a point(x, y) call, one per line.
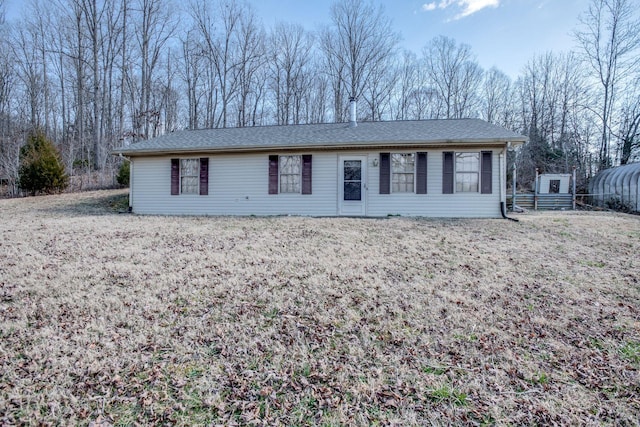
point(109, 319)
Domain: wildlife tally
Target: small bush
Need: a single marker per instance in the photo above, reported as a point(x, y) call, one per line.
point(123, 174)
point(41, 168)
point(618, 205)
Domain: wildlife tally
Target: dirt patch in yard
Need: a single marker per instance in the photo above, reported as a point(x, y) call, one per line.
point(129, 319)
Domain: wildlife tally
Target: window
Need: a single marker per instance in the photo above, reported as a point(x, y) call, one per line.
point(290, 174)
point(554, 186)
point(402, 172)
point(467, 172)
point(189, 176)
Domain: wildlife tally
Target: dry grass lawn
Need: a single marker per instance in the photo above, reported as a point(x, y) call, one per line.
point(117, 319)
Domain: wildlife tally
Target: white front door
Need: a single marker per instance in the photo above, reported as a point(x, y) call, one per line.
point(352, 185)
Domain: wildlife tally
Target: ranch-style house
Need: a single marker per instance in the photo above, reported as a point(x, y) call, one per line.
point(432, 168)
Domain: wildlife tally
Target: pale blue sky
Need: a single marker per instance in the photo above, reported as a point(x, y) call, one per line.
point(505, 35)
point(502, 33)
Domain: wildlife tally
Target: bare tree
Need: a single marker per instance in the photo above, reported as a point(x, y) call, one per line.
point(497, 98)
point(9, 143)
point(251, 58)
point(359, 42)
point(157, 25)
point(378, 89)
point(455, 76)
point(629, 126)
point(217, 31)
point(290, 49)
point(30, 72)
point(572, 99)
point(317, 98)
point(609, 38)
point(124, 60)
point(6, 77)
point(75, 49)
point(192, 74)
point(113, 29)
point(538, 97)
point(90, 11)
point(551, 95)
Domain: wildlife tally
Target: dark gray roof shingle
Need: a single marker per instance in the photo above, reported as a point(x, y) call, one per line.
point(338, 135)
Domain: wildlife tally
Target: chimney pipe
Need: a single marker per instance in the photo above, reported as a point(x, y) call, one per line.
point(352, 112)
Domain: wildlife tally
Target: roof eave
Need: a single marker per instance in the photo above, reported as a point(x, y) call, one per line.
point(322, 147)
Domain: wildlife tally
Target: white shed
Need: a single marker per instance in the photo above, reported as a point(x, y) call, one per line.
point(554, 183)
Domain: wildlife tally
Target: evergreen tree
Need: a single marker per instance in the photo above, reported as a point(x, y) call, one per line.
point(123, 174)
point(41, 168)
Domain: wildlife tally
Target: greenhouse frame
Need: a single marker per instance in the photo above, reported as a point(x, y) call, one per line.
point(617, 188)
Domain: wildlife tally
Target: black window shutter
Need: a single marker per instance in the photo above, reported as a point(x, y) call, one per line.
point(485, 167)
point(447, 172)
point(385, 173)
point(421, 174)
point(273, 174)
point(306, 174)
point(204, 176)
point(175, 177)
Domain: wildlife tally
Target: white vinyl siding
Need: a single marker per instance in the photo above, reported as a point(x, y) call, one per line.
point(238, 185)
point(434, 203)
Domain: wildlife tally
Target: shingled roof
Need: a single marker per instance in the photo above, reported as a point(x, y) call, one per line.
point(327, 136)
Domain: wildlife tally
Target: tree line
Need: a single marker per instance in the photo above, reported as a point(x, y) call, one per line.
point(93, 75)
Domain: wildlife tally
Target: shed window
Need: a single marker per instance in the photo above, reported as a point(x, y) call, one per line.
point(467, 172)
point(403, 172)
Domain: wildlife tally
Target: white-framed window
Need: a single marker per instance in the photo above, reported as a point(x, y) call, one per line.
point(403, 167)
point(290, 171)
point(467, 172)
point(189, 176)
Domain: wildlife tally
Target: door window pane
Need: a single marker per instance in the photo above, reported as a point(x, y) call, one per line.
point(352, 170)
point(352, 190)
point(352, 179)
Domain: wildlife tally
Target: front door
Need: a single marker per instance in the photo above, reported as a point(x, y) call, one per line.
point(352, 185)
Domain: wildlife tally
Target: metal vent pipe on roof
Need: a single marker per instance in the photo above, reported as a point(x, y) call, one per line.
point(352, 112)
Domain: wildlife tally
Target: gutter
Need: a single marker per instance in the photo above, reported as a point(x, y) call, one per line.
point(317, 147)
